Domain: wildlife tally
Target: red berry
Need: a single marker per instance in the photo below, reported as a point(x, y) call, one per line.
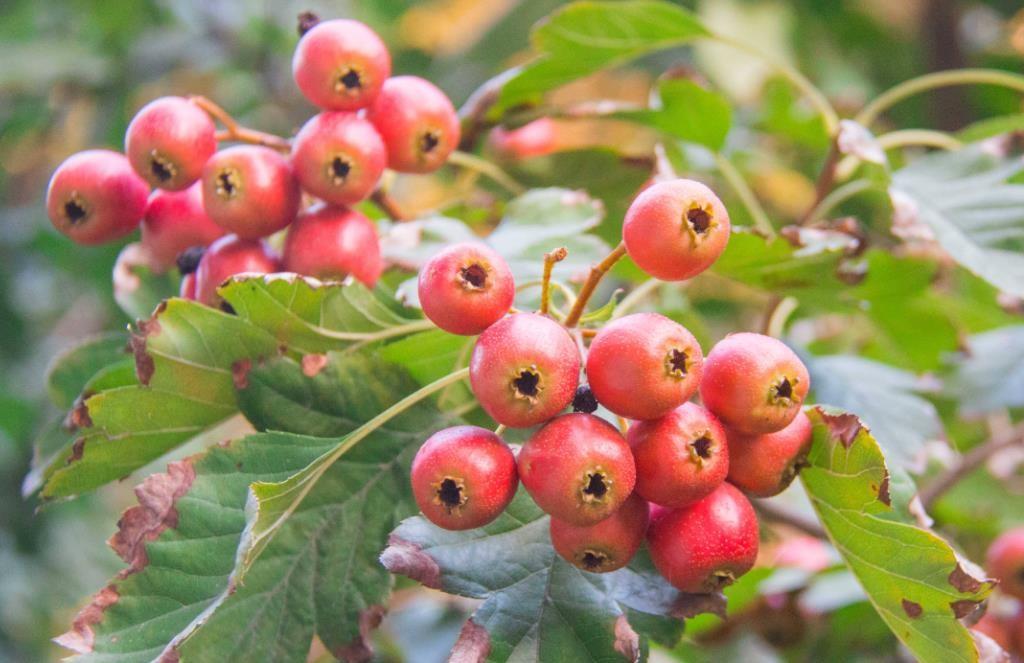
point(175, 221)
point(524, 369)
point(643, 366)
point(463, 477)
point(169, 140)
point(607, 545)
point(466, 288)
point(338, 157)
point(804, 552)
point(95, 197)
point(764, 465)
point(753, 383)
point(675, 230)
point(577, 468)
point(332, 243)
point(997, 628)
point(1005, 561)
point(250, 191)
point(187, 289)
point(227, 257)
point(704, 547)
point(680, 458)
point(341, 65)
point(534, 139)
point(417, 122)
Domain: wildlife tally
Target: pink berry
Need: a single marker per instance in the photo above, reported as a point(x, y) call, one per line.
point(332, 243)
point(466, 288)
point(169, 141)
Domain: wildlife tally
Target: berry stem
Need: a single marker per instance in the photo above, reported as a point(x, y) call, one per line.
point(500, 429)
point(485, 167)
point(826, 178)
point(597, 272)
point(838, 196)
point(236, 132)
point(550, 259)
point(735, 179)
point(648, 287)
point(388, 205)
point(779, 310)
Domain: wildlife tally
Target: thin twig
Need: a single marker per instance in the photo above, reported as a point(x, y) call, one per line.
point(387, 204)
point(826, 178)
point(969, 462)
point(775, 513)
point(597, 272)
point(550, 259)
point(777, 314)
point(233, 131)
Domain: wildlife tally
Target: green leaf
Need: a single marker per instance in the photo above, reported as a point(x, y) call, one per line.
point(71, 370)
point(431, 355)
point(991, 126)
point(912, 577)
point(778, 266)
point(688, 111)
point(990, 375)
point(138, 289)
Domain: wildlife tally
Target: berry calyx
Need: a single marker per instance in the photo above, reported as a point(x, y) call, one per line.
point(188, 260)
point(466, 288)
point(227, 257)
point(764, 465)
point(96, 197)
point(643, 366)
point(584, 400)
point(675, 230)
point(681, 457)
point(577, 468)
point(418, 123)
point(340, 64)
point(331, 243)
point(1005, 561)
point(168, 141)
point(524, 369)
point(604, 546)
point(175, 221)
point(338, 157)
point(463, 477)
point(706, 546)
point(250, 191)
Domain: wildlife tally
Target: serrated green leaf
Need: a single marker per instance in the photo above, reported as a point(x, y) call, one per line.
point(689, 112)
point(778, 266)
point(72, 369)
point(990, 376)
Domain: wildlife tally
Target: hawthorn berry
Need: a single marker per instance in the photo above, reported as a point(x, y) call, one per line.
point(338, 157)
point(753, 383)
point(187, 288)
point(341, 64)
point(332, 243)
point(675, 230)
point(95, 197)
point(1005, 561)
point(524, 369)
point(176, 220)
point(466, 288)
point(604, 546)
point(997, 628)
point(681, 457)
point(168, 142)
point(706, 546)
point(250, 191)
point(463, 477)
point(418, 123)
point(226, 257)
point(764, 465)
point(643, 366)
point(577, 468)
point(533, 139)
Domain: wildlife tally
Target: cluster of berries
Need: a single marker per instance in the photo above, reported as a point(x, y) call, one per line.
point(676, 475)
point(234, 198)
point(1004, 621)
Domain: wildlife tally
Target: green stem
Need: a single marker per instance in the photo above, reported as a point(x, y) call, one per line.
point(775, 323)
point(648, 287)
point(837, 196)
point(746, 195)
point(367, 337)
point(922, 137)
point(485, 167)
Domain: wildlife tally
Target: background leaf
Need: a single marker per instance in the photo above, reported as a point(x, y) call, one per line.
point(688, 112)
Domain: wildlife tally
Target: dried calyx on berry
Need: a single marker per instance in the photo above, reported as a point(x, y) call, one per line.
point(584, 400)
point(188, 260)
point(307, 21)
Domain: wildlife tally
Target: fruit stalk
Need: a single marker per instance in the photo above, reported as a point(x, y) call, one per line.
point(234, 131)
point(550, 259)
point(597, 273)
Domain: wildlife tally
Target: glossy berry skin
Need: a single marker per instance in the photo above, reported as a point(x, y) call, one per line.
point(227, 257)
point(524, 370)
point(250, 191)
point(168, 142)
point(533, 139)
point(577, 468)
point(338, 157)
point(705, 546)
point(463, 477)
point(466, 288)
point(605, 546)
point(643, 366)
point(341, 65)
point(175, 221)
point(331, 243)
point(418, 123)
point(1005, 561)
point(681, 457)
point(96, 197)
point(753, 383)
point(676, 229)
point(764, 465)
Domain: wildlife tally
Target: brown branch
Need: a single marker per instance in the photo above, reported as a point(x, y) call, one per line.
point(783, 516)
point(388, 205)
point(597, 272)
point(969, 462)
point(236, 132)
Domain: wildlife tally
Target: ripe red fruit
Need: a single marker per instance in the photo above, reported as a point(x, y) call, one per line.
point(753, 383)
point(675, 230)
point(417, 122)
point(577, 468)
point(607, 545)
point(187, 288)
point(466, 288)
point(332, 243)
point(169, 140)
point(705, 546)
point(338, 157)
point(997, 628)
point(1005, 561)
point(643, 366)
point(227, 257)
point(534, 139)
point(463, 477)
point(341, 65)
point(681, 457)
point(175, 221)
point(250, 190)
point(96, 197)
point(524, 369)
point(764, 465)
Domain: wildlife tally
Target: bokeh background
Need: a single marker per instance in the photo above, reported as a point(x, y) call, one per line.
point(73, 72)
